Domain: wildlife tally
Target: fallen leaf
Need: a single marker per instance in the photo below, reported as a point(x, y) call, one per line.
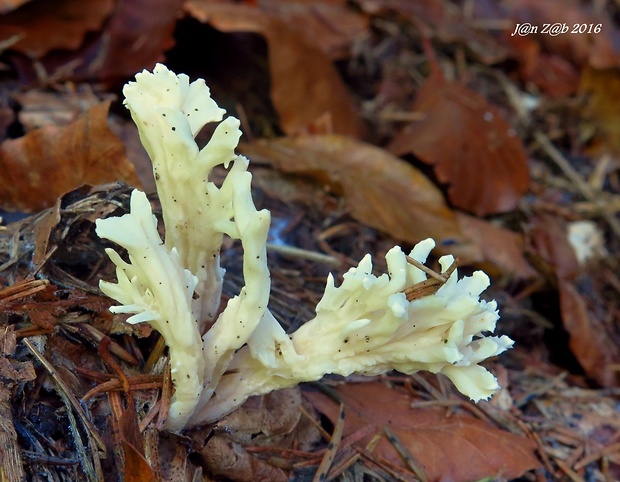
point(585, 316)
point(588, 311)
point(40, 108)
point(305, 86)
point(380, 190)
point(46, 222)
point(332, 26)
point(548, 242)
point(137, 469)
point(47, 162)
point(456, 447)
point(551, 73)
point(272, 420)
point(602, 89)
point(502, 248)
point(230, 460)
point(133, 39)
point(44, 26)
point(470, 146)
point(125, 43)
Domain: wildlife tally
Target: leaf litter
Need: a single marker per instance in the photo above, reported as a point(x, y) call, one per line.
point(538, 163)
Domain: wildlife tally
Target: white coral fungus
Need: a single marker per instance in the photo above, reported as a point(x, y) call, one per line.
point(366, 325)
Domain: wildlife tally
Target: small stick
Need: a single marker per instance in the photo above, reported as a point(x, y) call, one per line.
point(63, 386)
point(556, 156)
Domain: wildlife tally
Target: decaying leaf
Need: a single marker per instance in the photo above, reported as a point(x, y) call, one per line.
point(305, 86)
point(121, 39)
point(381, 190)
point(499, 246)
point(133, 39)
point(592, 341)
point(602, 88)
point(331, 26)
point(40, 108)
point(588, 314)
point(45, 26)
point(470, 145)
point(271, 420)
point(457, 447)
point(47, 162)
point(137, 469)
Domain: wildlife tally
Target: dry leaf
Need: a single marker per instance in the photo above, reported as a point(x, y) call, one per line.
point(456, 448)
point(137, 469)
point(45, 163)
point(470, 145)
point(380, 190)
point(602, 88)
point(125, 43)
point(230, 460)
point(499, 246)
point(44, 26)
point(592, 340)
point(548, 241)
point(135, 38)
point(40, 108)
point(331, 26)
point(589, 313)
point(305, 86)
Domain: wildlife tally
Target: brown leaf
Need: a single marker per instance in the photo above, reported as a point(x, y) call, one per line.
point(380, 190)
point(47, 162)
point(305, 86)
point(45, 26)
point(133, 39)
point(470, 145)
point(587, 309)
point(137, 469)
point(602, 88)
point(331, 26)
point(125, 43)
point(229, 459)
point(592, 340)
point(457, 447)
point(499, 246)
point(40, 108)
point(548, 242)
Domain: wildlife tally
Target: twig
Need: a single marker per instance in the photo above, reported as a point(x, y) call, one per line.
point(332, 448)
point(22, 289)
point(406, 455)
point(91, 463)
point(64, 388)
point(610, 449)
point(293, 252)
point(556, 156)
